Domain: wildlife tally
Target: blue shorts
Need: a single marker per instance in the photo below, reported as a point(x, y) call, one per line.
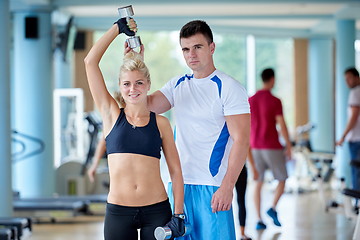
point(205, 225)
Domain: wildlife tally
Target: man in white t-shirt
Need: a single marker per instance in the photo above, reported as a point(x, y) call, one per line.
point(212, 127)
point(352, 131)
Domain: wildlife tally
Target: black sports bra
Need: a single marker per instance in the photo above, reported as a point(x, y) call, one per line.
point(123, 138)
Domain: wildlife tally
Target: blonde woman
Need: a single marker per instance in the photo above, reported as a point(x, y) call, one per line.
point(134, 138)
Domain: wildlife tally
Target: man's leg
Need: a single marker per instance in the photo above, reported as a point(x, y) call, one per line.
point(277, 162)
point(278, 193)
point(257, 199)
point(261, 167)
point(272, 211)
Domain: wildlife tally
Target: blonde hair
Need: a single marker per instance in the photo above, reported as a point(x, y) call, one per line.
point(132, 61)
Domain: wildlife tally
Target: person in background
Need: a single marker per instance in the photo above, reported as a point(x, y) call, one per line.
point(267, 151)
point(352, 130)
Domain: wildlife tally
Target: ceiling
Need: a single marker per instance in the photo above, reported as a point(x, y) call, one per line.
point(292, 18)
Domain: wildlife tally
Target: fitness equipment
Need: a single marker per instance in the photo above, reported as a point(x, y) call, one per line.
point(15, 228)
point(68, 125)
point(350, 193)
point(313, 169)
point(20, 140)
point(346, 208)
point(70, 157)
point(49, 208)
point(162, 233)
point(71, 176)
point(7, 234)
point(343, 204)
point(76, 135)
point(127, 12)
point(74, 132)
point(94, 127)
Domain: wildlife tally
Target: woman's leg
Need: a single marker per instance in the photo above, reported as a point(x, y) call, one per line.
point(240, 187)
point(153, 216)
point(120, 223)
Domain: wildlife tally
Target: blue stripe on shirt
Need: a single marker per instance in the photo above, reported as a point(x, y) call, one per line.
point(219, 151)
point(218, 82)
point(183, 79)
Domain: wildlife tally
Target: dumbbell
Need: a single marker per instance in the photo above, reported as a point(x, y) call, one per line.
point(162, 233)
point(127, 12)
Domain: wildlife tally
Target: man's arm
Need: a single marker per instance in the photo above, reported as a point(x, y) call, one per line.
point(355, 110)
point(284, 132)
point(239, 129)
point(158, 103)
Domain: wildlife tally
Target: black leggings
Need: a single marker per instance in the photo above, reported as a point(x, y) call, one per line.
point(121, 222)
point(240, 186)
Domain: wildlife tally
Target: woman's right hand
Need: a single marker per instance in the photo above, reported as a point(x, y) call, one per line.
point(127, 49)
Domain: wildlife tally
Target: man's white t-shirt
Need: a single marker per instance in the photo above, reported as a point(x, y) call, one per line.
point(354, 101)
point(201, 134)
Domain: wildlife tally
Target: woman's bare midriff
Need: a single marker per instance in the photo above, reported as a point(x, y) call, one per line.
point(135, 180)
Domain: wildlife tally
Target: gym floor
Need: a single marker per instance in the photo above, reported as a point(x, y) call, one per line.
point(302, 215)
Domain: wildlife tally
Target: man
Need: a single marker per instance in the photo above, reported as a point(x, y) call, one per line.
point(352, 131)
point(212, 134)
point(266, 114)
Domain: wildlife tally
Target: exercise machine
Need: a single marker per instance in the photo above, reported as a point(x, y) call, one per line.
point(49, 208)
point(37, 208)
point(69, 133)
point(69, 156)
point(314, 169)
point(76, 136)
point(15, 228)
point(8, 233)
point(350, 193)
point(72, 181)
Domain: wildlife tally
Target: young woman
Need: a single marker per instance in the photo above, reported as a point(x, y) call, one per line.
point(134, 138)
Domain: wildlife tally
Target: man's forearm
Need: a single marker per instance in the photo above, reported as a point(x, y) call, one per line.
point(237, 158)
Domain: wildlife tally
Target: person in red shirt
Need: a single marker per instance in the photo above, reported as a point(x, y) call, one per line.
point(267, 151)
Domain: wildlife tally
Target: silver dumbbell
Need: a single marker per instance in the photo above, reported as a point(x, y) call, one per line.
point(127, 12)
point(162, 233)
